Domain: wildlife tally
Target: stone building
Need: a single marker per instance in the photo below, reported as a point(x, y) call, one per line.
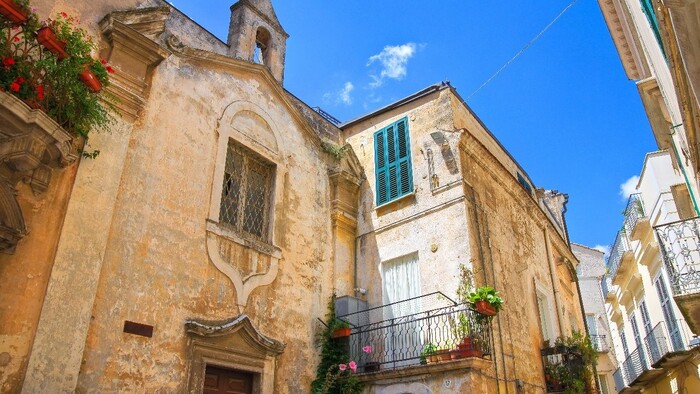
point(655, 349)
point(206, 239)
point(591, 273)
point(657, 43)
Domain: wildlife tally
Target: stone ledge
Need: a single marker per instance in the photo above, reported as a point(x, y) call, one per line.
point(392, 375)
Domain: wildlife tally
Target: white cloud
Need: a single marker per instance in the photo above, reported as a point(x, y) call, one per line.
point(603, 248)
point(629, 187)
point(340, 96)
point(394, 60)
point(345, 93)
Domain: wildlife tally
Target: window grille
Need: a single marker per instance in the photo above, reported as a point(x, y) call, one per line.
point(246, 192)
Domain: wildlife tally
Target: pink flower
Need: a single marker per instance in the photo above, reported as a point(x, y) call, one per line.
point(342, 367)
point(353, 366)
point(367, 349)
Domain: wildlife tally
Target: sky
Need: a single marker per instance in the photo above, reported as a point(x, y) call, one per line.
point(564, 108)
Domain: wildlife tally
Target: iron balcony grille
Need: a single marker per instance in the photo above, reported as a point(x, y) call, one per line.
point(633, 212)
point(398, 334)
point(326, 115)
point(620, 246)
point(657, 344)
point(680, 248)
point(600, 343)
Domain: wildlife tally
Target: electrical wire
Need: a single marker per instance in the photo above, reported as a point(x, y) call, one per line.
point(523, 49)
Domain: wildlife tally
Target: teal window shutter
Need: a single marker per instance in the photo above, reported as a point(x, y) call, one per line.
point(393, 162)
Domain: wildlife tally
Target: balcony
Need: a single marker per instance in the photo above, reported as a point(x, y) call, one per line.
point(663, 349)
point(636, 222)
point(417, 336)
point(680, 249)
point(620, 258)
point(600, 343)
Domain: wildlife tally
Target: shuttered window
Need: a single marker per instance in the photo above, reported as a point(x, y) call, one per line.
point(392, 155)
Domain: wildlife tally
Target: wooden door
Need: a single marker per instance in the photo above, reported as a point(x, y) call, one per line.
point(220, 381)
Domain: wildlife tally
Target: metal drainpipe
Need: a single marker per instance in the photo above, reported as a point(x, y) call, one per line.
point(685, 174)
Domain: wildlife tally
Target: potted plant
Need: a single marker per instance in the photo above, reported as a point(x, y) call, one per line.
point(486, 300)
point(428, 354)
point(17, 11)
point(340, 329)
point(335, 372)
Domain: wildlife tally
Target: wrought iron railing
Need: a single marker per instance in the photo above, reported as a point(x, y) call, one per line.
point(600, 343)
point(635, 364)
point(326, 115)
point(680, 248)
point(619, 247)
point(633, 212)
point(657, 344)
point(411, 333)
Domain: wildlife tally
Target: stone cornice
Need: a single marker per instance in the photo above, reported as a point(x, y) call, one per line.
point(240, 325)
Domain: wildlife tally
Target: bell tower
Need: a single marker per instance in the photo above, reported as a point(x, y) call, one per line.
point(255, 35)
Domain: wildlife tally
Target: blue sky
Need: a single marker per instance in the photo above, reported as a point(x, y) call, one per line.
point(564, 109)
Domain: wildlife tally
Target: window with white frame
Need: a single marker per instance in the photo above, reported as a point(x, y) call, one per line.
point(247, 192)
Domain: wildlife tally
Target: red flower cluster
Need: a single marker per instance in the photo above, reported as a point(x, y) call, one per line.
point(40, 92)
point(8, 62)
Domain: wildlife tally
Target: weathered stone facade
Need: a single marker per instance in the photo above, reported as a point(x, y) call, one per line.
point(467, 207)
point(134, 275)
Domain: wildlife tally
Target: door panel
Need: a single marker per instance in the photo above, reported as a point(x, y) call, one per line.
point(223, 381)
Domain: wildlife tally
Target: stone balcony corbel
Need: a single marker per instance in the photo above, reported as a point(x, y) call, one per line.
point(31, 145)
point(135, 53)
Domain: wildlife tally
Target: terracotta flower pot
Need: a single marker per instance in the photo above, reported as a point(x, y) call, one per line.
point(93, 84)
point(443, 355)
point(12, 11)
point(341, 333)
point(470, 348)
point(485, 308)
point(48, 39)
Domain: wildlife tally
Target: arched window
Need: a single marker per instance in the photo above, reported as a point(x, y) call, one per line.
point(263, 39)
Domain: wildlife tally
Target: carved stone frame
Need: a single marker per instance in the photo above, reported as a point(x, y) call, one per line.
point(234, 344)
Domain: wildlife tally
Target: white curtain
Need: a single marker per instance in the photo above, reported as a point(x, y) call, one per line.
point(401, 278)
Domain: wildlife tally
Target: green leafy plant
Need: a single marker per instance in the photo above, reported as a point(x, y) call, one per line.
point(335, 372)
point(575, 372)
point(333, 149)
point(488, 294)
point(35, 75)
point(429, 349)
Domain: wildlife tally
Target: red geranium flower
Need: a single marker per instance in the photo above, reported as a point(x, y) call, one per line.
point(110, 69)
point(63, 14)
point(16, 38)
point(103, 61)
point(19, 80)
point(8, 61)
point(14, 87)
point(40, 92)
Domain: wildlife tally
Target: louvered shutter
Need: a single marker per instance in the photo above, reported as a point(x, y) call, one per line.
point(380, 165)
point(393, 162)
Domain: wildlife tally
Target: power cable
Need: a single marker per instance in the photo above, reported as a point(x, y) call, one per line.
point(523, 49)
